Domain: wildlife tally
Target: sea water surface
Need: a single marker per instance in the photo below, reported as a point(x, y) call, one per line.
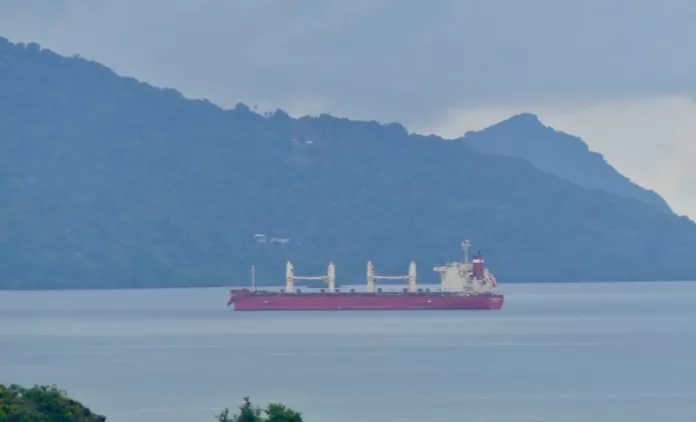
point(621, 352)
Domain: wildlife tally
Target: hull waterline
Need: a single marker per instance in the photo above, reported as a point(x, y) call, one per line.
point(346, 302)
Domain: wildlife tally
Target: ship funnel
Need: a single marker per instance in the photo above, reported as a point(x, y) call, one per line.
point(478, 266)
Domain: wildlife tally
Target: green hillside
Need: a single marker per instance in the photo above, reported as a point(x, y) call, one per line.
point(109, 182)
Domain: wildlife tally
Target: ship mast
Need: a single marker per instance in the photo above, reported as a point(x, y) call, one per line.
point(253, 277)
point(290, 277)
point(466, 245)
point(372, 278)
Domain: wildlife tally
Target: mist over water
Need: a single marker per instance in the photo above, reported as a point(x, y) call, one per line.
point(616, 352)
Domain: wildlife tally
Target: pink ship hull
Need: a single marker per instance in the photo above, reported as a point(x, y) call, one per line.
point(267, 301)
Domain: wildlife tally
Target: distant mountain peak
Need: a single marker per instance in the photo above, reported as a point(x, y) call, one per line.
point(569, 157)
point(525, 122)
point(523, 119)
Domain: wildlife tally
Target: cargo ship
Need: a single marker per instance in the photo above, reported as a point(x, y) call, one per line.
point(466, 285)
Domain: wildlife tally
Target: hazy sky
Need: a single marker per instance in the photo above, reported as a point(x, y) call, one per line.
point(618, 73)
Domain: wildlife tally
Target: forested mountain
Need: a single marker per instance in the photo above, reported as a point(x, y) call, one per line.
point(558, 153)
point(109, 182)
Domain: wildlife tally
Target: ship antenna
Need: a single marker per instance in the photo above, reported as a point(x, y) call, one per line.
point(466, 245)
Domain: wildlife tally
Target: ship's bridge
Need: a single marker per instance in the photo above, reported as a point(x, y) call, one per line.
point(466, 276)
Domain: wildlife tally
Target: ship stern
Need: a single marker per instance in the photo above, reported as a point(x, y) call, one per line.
point(496, 302)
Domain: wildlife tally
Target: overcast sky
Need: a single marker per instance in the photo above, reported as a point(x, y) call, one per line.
point(618, 73)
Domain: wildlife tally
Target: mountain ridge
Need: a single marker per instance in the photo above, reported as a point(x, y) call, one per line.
point(558, 153)
point(109, 182)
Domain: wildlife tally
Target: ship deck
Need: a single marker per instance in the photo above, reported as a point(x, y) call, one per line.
point(246, 292)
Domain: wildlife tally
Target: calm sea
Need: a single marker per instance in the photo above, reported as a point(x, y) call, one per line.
point(576, 353)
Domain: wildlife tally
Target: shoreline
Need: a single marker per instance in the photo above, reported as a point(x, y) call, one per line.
point(272, 287)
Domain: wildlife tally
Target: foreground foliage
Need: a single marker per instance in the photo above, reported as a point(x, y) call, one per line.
point(41, 404)
point(50, 404)
point(274, 412)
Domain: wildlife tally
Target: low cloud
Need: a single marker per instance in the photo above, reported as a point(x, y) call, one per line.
point(650, 140)
point(616, 72)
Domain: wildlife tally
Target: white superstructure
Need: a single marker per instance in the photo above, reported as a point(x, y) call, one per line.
point(461, 277)
point(467, 276)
